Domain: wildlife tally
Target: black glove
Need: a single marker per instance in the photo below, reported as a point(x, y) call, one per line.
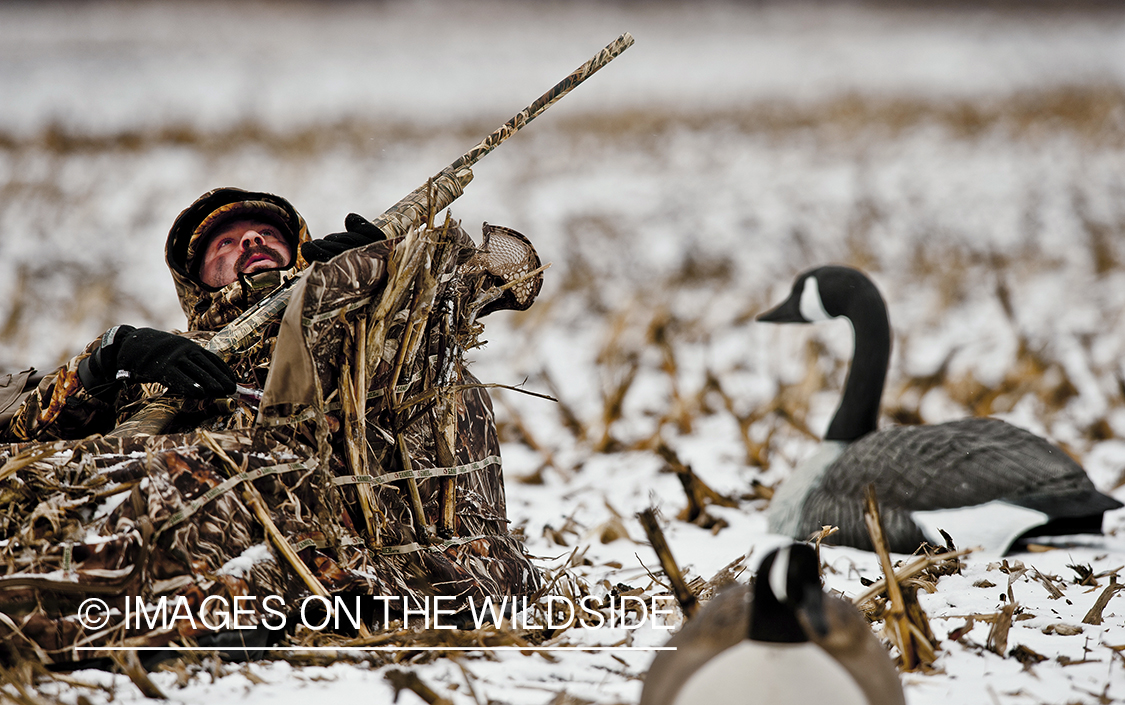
point(359, 231)
point(149, 355)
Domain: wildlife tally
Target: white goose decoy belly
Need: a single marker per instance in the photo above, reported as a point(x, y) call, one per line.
point(771, 673)
point(983, 481)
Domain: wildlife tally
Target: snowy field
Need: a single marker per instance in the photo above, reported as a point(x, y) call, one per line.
point(971, 161)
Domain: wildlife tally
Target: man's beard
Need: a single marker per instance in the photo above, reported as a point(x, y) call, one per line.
point(244, 258)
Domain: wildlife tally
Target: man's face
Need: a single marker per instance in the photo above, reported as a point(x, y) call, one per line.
point(242, 246)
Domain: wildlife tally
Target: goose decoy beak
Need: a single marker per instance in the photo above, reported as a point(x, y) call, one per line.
point(804, 304)
point(788, 311)
point(810, 613)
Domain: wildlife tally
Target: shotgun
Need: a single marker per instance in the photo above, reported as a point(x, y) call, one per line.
point(401, 218)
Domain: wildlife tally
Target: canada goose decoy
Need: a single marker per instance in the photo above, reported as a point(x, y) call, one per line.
point(783, 640)
point(985, 482)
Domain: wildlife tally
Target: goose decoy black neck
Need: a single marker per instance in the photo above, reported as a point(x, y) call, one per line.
point(830, 292)
point(787, 590)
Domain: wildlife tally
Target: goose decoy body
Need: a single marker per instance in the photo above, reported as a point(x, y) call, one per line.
point(781, 641)
point(985, 482)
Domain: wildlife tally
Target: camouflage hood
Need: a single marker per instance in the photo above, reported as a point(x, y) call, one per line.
point(211, 309)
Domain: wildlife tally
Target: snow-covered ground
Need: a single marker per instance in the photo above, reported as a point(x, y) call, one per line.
point(968, 160)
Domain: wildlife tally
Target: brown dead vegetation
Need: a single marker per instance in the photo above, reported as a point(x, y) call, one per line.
point(1088, 111)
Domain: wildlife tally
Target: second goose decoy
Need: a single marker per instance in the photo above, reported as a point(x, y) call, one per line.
point(985, 482)
point(783, 640)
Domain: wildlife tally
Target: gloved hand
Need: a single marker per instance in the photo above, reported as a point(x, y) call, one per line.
point(149, 355)
point(359, 231)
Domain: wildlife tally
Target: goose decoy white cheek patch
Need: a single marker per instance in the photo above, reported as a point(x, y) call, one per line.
point(779, 574)
point(812, 308)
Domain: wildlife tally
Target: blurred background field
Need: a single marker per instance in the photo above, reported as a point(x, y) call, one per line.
point(971, 158)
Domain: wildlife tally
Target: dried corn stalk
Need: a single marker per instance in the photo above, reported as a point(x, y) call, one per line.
point(907, 626)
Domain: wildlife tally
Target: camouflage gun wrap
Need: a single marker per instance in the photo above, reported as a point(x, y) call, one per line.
point(412, 210)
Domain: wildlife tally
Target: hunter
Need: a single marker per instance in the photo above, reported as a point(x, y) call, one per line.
point(195, 527)
point(228, 250)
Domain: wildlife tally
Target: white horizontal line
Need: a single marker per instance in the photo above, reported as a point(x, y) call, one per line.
point(374, 648)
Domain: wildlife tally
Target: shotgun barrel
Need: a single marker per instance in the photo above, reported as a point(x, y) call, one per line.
point(449, 183)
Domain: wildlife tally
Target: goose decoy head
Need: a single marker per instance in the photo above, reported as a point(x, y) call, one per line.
point(829, 292)
point(788, 604)
point(823, 293)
